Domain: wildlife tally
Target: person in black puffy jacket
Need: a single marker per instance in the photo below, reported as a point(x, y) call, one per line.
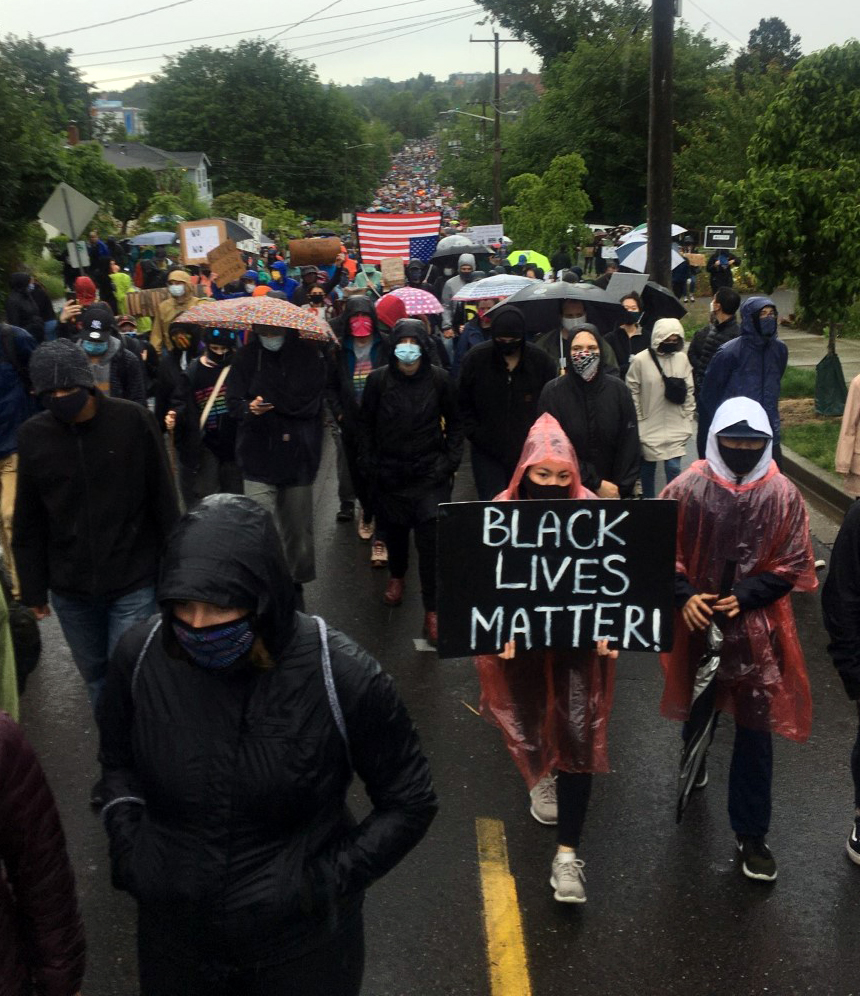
point(411, 445)
point(232, 726)
point(597, 414)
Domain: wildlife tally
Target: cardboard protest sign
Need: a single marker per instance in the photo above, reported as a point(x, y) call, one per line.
point(393, 273)
point(255, 227)
point(226, 262)
point(142, 303)
point(694, 258)
point(313, 252)
point(198, 238)
point(559, 574)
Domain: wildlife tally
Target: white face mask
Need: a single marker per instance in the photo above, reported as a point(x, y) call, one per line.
point(573, 323)
point(177, 290)
point(272, 342)
point(250, 288)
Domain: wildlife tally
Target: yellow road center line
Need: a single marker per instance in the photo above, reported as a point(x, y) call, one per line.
point(506, 949)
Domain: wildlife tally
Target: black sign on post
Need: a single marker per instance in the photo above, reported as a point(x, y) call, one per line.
point(721, 237)
point(557, 574)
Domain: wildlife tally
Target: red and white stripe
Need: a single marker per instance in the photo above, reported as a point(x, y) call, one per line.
point(386, 236)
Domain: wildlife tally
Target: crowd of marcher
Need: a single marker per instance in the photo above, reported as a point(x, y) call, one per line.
point(231, 721)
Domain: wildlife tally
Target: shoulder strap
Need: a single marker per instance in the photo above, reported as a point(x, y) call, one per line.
point(141, 655)
point(331, 690)
point(653, 356)
point(210, 401)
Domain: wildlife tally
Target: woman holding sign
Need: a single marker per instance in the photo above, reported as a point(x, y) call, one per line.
point(551, 705)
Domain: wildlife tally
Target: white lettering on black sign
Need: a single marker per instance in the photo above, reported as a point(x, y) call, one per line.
point(561, 574)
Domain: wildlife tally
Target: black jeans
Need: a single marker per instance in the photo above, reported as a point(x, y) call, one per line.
point(750, 779)
point(397, 540)
point(855, 763)
point(491, 478)
point(166, 969)
point(573, 793)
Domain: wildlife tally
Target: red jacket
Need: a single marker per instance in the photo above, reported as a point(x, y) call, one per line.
point(41, 933)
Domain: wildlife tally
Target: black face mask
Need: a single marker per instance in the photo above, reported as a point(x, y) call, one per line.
point(508, 348)
point(467, 277)
point(219, 358)
point(68, 408)
point(544, 492)
point(740, 462)
point(670, 347)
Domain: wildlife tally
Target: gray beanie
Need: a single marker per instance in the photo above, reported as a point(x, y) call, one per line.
point(60, 364)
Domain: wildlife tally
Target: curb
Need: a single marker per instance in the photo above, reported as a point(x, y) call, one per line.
point(822, 484)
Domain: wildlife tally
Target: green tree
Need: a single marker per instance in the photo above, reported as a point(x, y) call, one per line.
point(771, 45)
point(546, 208)
point(289, 148)
point(553, 27)
point(47, 76)
point(798, 208)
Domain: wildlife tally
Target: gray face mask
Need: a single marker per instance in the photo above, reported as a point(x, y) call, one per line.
point(569, 324)
point(272, 342)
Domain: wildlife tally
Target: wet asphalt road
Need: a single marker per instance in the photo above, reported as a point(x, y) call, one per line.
point(668, 910)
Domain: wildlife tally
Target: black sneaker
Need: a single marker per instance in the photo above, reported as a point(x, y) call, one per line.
point(346, 512)
point(758, 862)
point(852, 846)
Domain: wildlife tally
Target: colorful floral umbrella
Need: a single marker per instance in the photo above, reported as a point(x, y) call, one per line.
point(499, 285)
point(417, 301)
point(244, 314)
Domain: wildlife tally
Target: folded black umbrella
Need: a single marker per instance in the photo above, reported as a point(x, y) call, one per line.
point(700, 726)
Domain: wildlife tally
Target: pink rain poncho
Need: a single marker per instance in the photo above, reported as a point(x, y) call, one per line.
point(761, 524)
point(552, 706)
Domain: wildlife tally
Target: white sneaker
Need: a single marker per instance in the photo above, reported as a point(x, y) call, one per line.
point(568, 878)
point(544, 806)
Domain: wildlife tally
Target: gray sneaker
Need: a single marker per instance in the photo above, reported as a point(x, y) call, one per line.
point(544, 802)
point(568, 879)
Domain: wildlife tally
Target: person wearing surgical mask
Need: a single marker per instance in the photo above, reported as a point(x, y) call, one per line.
point(411, 446)
point(275, 392)
point(750, 366)
point(556, 341)
point(181, 298)
point(117, 370)
point(598, 416)
point(742, 546)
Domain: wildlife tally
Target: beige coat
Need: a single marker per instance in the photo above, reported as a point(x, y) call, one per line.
point(664, 428)
point(848, 447)
point(169, 310)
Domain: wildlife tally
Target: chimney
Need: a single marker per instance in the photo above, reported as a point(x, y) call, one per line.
point(73, 136)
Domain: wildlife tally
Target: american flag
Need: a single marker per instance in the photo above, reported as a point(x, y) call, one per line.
point(386, 236)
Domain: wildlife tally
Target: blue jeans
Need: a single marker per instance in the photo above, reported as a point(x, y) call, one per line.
point(92, 628)
point(648, 469)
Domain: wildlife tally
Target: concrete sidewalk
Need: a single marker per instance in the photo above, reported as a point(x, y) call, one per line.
point(806, 349)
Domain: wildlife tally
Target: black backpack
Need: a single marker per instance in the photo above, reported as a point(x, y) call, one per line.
point(26, 638)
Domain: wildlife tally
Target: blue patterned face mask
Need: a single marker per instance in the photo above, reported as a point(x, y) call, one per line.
point(215, 647)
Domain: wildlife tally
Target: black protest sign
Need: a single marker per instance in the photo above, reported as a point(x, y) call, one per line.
point(556, 574)
point(721, 237)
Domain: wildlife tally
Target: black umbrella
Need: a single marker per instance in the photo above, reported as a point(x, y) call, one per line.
point(540, 304)
point(660, 302)
point(702, 722)
point(455, 251)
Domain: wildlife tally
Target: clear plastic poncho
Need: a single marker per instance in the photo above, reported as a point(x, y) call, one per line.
point(764, 527)
point(552, 706)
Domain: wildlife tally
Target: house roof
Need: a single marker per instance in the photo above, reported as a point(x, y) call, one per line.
point(136, 155)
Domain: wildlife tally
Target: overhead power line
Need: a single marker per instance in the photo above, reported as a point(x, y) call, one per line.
point(245, 31)
point(320, 34)
point(722, 27)
point(443, 21)
point(116, 20)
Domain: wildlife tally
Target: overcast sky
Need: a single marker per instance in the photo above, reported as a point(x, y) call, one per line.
point(411, 42)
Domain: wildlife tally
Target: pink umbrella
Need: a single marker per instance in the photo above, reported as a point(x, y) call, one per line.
point(418, 302)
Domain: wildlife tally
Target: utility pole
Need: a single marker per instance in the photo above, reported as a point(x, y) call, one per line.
point(497, 125)
point(660, 142)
